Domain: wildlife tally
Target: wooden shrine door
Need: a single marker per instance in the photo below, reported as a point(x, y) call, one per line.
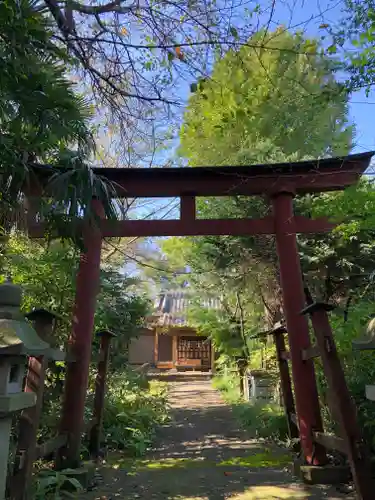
point(194, 351)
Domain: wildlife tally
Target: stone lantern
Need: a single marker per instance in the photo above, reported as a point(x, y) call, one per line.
point(17, 341)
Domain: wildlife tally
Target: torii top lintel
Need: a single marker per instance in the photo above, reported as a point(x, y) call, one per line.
point(188, 183)
point(310, 176)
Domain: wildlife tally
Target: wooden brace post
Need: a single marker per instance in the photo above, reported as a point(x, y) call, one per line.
point(95, 433)
point(344, 408)
point(286, 385)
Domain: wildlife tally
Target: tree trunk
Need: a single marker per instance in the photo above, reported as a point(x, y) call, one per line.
point(242, 365)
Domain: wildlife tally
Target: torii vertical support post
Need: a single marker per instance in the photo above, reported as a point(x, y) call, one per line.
point(306, 393)
point(87, 288)
point(100, 383)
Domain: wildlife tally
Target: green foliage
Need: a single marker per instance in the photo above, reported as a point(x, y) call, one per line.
point(215, 279)
point(263, 420)
point(267, 105)
point(353, 209)
point(133, 409)
point(40, 114)
point(47, 274)
point(225, 332)
point(39, 111)
point(338, 265)
point(56, 485)
point(226, 382)
point(354, 36)
point(259, 419)
point(263, 356)
point(121, 308)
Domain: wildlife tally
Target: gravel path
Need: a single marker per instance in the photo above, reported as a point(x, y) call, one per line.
point(203, 455)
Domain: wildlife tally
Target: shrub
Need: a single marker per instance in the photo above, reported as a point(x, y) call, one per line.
point(266, 420)
point(133, 409)
point(227, 383)
point(262, 420)
point(56, 485)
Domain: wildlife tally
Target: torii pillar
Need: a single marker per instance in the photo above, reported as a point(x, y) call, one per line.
point(80, 344)
point(307, 399)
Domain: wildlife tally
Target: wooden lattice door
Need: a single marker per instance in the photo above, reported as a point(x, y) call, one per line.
point(192, 350)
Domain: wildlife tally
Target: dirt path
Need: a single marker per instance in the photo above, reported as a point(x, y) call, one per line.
point(203, 455)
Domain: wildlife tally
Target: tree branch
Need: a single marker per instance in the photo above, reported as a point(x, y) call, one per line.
point(114, 6)
point(70, 36)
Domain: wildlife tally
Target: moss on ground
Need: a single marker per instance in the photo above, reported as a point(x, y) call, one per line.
point(266, 458)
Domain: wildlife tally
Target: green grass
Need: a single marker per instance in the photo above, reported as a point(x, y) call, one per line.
point(262, 420)
point(259, 419)
point(266, 458)
point(228, 386)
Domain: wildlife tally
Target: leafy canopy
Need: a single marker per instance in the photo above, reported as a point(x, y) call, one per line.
point(353, 38)
point(277, 103)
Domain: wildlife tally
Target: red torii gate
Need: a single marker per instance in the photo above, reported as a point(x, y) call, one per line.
point(280, 183)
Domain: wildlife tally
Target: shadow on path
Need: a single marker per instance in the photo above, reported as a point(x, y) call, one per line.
point(203, 455)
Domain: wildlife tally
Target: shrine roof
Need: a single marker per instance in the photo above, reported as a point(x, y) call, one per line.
point(173, 305)
point(309, 176)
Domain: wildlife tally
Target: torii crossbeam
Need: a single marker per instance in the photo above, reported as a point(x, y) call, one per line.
point(279, 183)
